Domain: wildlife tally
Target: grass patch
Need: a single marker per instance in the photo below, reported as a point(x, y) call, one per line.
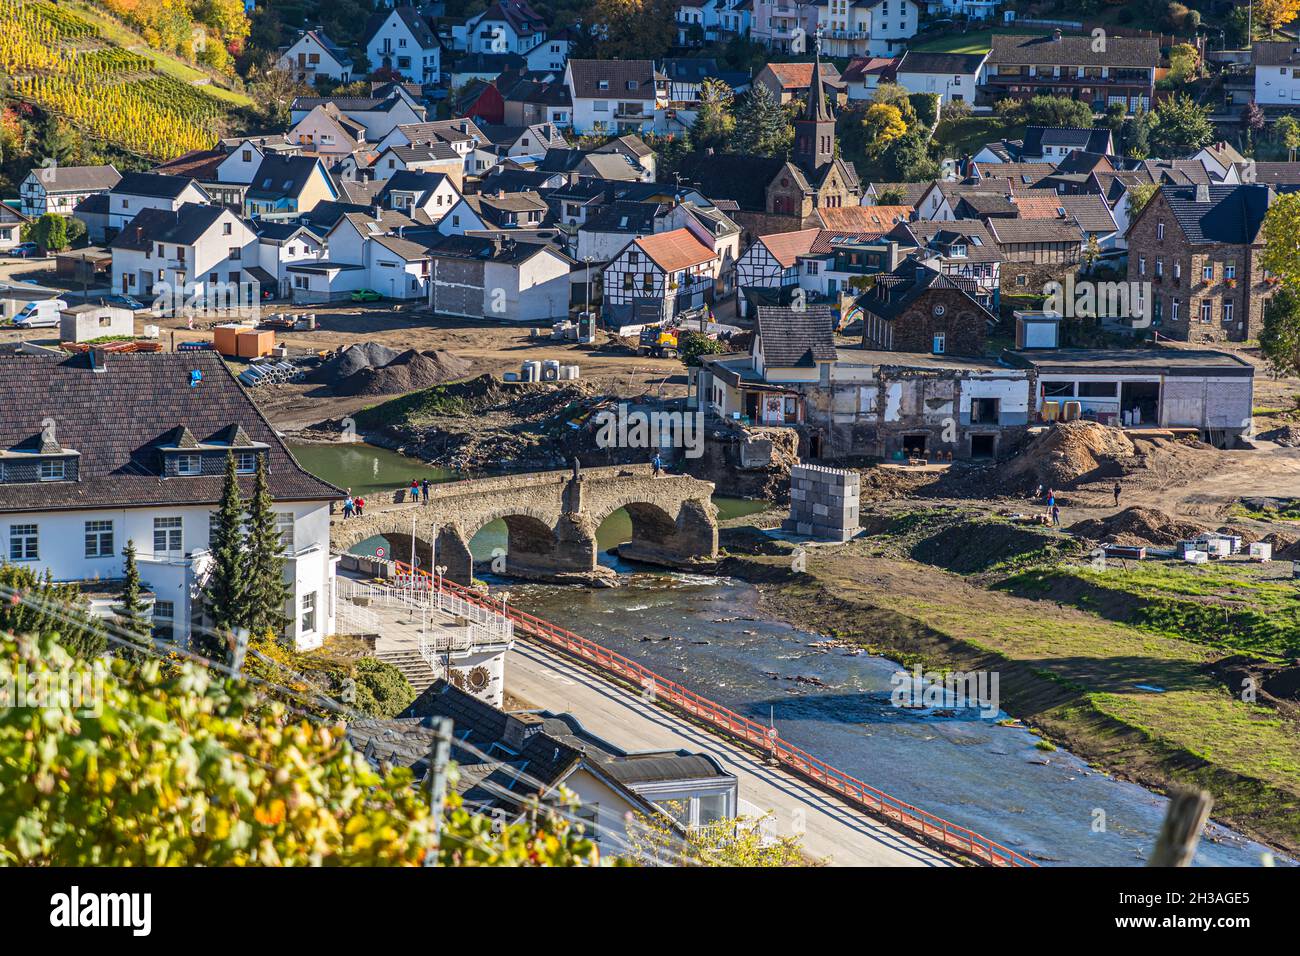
point(415, 410)
point(968, 135)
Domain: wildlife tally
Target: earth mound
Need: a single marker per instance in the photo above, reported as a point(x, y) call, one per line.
point(1136, 526)
point(1068, 453)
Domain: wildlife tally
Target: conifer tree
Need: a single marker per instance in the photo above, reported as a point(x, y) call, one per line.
point(227, 581)
point(266, 591)
point(130, 610)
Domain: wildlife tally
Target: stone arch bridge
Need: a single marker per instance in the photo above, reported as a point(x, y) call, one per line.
point(551, 519)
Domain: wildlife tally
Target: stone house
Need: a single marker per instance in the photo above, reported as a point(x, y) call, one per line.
point(920, 309)
point(1199, 247)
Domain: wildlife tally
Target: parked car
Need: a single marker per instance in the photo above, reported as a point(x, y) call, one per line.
point(40, 313)
point(125, 302)
point(25, 250)
point(366, 295)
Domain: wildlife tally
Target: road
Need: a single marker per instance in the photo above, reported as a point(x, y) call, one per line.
point(831, 831)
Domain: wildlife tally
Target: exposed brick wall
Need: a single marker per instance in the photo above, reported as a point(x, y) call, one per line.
point(962, 323)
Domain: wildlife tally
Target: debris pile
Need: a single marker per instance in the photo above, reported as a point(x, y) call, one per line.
point(1137, 526)
point(1288, 436)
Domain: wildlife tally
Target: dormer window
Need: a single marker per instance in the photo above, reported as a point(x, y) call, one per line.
point(52, 470)
point(189, 465)
point(246, 462)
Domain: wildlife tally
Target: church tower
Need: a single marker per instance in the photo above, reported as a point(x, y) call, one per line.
point(814, 133)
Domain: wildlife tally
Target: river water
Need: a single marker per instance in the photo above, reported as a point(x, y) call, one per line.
point(708, 634)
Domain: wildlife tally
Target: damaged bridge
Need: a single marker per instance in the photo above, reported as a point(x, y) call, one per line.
point(551, 520)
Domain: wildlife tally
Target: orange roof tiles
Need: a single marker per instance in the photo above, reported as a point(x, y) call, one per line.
point(675, 250)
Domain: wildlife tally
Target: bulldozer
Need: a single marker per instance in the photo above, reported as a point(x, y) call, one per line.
point(658, 341)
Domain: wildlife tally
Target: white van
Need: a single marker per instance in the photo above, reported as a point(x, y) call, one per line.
point(39, 314)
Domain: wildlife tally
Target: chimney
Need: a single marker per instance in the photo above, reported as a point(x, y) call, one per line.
point(519, 729)
point(1202, 192)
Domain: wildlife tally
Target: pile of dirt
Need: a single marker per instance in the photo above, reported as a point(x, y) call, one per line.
point(408, 371)
point(1288, 436)
point(349, 361)
point(1137, 526)
point(1069, 453)
point(1285, 546)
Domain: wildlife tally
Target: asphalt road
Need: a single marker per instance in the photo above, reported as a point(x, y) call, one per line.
point(829, 830)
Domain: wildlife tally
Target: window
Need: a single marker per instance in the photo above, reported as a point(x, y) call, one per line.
point(1142, 265)
point(1173, 310)
point(246, 462)
point(1160, 266)
point(1207, 273)
point(1207, 311)
point(284, 530)
point(938, 343)
point(309, 612)
point(1178, 270)
point(627, 281)
point(1160, 230)
point(164, 621)
point(1227, 313)
point(1230, 271)
point(99, 539)
point(51, 471)
point(23, 542)
point(189, 465)
point(227, 228)
point(167, 536)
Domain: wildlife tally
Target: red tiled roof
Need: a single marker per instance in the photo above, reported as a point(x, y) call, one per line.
point(675, 250)
point(785, 247)
point(863, 218)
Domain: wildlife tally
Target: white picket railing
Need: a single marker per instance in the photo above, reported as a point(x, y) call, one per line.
point(485, 627)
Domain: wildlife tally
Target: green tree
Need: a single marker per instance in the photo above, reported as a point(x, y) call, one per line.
point(737, 842)
point(266, 592)
point(892, 94)
point(1136, 135)
point(1287, 132)
point(1057, 111)
point(908, 159)
point(762, 128)
point(34, 604)
point(714, 122)
point(178, 767)
point(691, 345)
point(628, 29)
point(227, 583)
point(382, 690)
point(1139, 196)
point(130, 609)
point(1184, 62)
point(1281, 237)
point(1180, 126)
point(1279, 334)
point(50, 232)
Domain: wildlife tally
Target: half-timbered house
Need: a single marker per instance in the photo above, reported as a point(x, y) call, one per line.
point(657, 277)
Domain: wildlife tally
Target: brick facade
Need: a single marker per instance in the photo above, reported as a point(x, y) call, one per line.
point(961, 321)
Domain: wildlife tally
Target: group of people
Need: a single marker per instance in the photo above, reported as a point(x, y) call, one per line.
point(1053, 510)
point(418, 487)
point(353, 506)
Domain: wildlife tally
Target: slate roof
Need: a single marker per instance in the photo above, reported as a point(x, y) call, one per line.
point(1232, 214)
point(153, 185)
point(493, 64)
point(1277, 174)
point(278, 176)
point(923, 233)
point(77, 178)
point(150, 398)
point(795, 338)
point(629, 217)
point(1124, 52)
point(894, 293)
point(509, 249)
point(587, 75)
point(1094, 140)
point(919, 61)
point(1015, 231)
point(1275, 53)
point(410, 16)
point(183, 227)
point(743, 178)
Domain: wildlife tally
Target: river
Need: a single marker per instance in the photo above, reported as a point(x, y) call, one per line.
point(707, 633)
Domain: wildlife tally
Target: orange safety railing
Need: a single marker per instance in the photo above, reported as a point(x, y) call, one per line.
point(797, 761)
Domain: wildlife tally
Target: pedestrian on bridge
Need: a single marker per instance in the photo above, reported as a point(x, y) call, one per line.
point(658, 464)
point(348, 505)
point(415, 491)
point(360, 506)
point(424, 486)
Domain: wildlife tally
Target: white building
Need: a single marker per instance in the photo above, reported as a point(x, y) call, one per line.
point(657, 277)
point(400, 40)
point(11, 227)
point(498, 277)
point(863, 27)
point(136, 192)
point(60, 188)
point(313, 56)
point(1277, 72)
point(615, 96)
point(78, 487)
point(951, 76)
point(196, 252)
point(506, 26)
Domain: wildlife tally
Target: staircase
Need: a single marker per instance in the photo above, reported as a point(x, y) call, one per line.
point(413, 667)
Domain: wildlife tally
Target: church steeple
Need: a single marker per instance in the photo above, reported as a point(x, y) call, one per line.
point(814, 134)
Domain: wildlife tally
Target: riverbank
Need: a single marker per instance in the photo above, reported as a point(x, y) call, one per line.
point(1138, 702)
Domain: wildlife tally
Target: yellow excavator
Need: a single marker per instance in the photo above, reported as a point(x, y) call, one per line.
point(658, 341)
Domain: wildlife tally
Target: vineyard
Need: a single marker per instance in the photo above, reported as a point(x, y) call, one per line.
point(53, 58)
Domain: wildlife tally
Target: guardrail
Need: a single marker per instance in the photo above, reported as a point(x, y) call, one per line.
point(797, 761)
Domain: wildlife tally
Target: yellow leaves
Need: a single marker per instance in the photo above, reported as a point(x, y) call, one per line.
point(1276, 13)
point(272, 815)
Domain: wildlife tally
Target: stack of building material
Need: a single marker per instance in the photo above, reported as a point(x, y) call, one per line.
point(823, 503)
